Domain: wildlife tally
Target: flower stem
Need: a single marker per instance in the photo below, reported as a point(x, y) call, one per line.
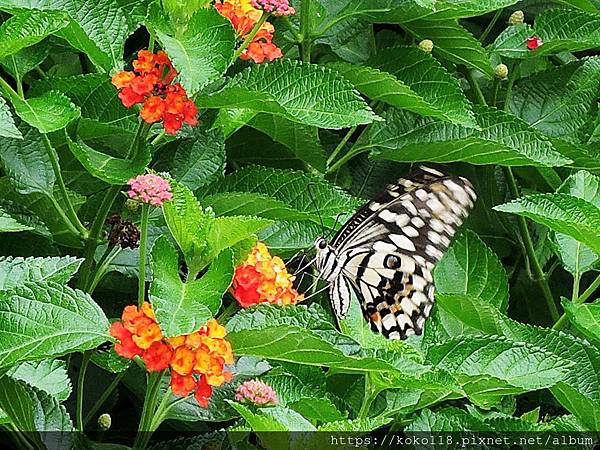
point(107, 392)
point(71, 214)
point(540, 277)
point(370, 394)
point(490, 26)
point(109, 255)
point(250, 36)
point(148, 410)
point(85, 359)
point(143, 245)
point(581, 299)
point(475, 86)
point(341, 145)
point(306, 43)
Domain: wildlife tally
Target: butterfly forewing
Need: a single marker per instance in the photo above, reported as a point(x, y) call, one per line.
point(387, 250)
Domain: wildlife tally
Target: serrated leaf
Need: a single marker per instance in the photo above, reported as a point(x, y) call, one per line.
point(198, 161)
point(301, 139)
point(49, 112)
point(27, 163)
point(225, 232)
point(46, 320)
point(48, 375)
point(585, 317)
point(512, 42)
point(583, 156)
point(576, 257)
point(28, 27)
point(25, 60)
point(201, 52)
point(188, 224)
point(98, 29)
point(16, 271)
point(560, 212)
point(503, 139)
point(556, 101)
point(356, 425)
point(567, 30)
point(7, 123)
point(9, 224)
point(182, 308)
point(470, 268)
point(36, 413)
point(452, 42)
point(108, 168)
point(306, 93)
point(292, 188)
point(277, 418)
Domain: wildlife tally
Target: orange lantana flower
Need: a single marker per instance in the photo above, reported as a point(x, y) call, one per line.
point(264, 278)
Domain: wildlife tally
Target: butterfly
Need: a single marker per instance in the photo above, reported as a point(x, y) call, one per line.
point(386, 251)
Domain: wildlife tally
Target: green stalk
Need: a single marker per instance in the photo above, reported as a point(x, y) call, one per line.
point(538, 272)
point(490, 26)
point(369, 396)
point(306, 42)
point(143, 245)
point(250, 36)
point(475, 86)
point(581, 299)
point(71, 214)
point(109, 255)
point(148, 410)
point(341, 145)
point(107, 392)
point(85, 360)
point(495, 90)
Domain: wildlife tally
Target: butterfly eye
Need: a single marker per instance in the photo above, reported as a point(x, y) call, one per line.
point(391, 262)
point(321, 244)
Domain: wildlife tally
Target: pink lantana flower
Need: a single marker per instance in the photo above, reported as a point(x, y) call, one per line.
point(150, 188)
point(275, 7)
point(256, 392)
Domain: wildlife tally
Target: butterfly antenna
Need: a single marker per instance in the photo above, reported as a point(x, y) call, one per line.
point(314, 201)
point(332, 229)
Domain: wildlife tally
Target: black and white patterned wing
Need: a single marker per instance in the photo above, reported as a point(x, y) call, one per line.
point(388, 249)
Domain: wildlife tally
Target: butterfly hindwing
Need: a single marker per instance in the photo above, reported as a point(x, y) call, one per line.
point(388, 249)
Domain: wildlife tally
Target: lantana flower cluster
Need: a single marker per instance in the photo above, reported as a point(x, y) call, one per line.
point(151, 83)
point(244, 14)
point(150, 188)
point(257, 393)
point(264, 278)
point(197, 360)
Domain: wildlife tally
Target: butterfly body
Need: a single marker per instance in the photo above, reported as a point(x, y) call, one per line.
point(385, 253)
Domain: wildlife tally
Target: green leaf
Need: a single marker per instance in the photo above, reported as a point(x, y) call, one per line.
point(188, 224)
point(585, 408)
point(108, 168)
point(94, 94)
point(292, 344)
point(28, 27)
point(471, 268)
point(585, 317)
point(48, 375)
point(576, 257)
point(419, 84)
point(46, 320)
point(562, 213)
point(9, 224)
point(7, 123)
point(292, 188)
point(363, 425)
point(251, 204)
point(556, 101)
point(276, 418)
point(489, 367)
point(203, 51)
point(27, 163)
point(302, 140)
point(49, 112)
point(182, 308)
point(16, 271)
point(583, 156)
point(503, 139)
point(305, 93)
point(225, 232)
point(98, 29)
point(512, 42)
point(25, 60)
point(37, 413)
point(567, 30)
point(198, 161)
point(452, 42)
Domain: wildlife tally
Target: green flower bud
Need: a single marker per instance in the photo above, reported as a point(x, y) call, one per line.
point(104, 421)
point(426, 45)
point(501, 71)
point(516, 18)
point(132, 205)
